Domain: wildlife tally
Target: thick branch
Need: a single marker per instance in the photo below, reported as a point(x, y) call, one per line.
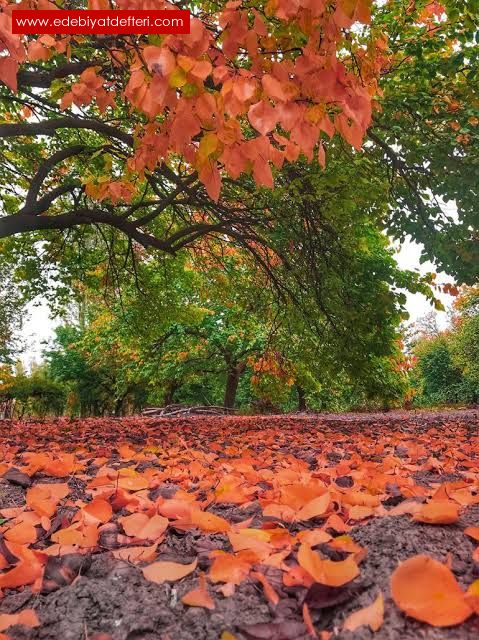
point(42, 173)
point(49, 127)
point(11, 225)
point(43, 79)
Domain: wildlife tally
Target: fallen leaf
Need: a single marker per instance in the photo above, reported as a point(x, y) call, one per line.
point(139, 525)
point(314, 508)
point(136, 554)
point(98, 510)
point(22, 533)
point(308, 621)
point(24, 573)
point(199, 597)
point(472, 596)
point(209, 522)
point(160, 572)
point(371, 616)
point(472, 532)
point(427, 590)
point(27, 617)
point(438, 512)
point(229, 568)
point(333, 574)
point(269, 592)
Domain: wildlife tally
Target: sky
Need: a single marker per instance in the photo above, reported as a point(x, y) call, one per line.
point(39, 328)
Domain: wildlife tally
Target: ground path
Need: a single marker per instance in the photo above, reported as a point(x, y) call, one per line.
point(91, 510)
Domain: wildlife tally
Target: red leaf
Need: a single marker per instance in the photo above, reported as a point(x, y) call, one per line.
point(263, 117)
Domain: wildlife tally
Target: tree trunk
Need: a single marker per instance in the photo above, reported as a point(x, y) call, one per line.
point(302, 406)
point(232, 381)
point(119, 405)
point(172, 388)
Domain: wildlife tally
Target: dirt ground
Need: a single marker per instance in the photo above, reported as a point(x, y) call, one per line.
point(399, 457)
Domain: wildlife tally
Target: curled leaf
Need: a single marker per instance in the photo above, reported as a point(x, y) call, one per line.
point(371, 616)
point(333, 574)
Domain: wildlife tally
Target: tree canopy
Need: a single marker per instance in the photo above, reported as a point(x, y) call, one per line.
point(163, 138)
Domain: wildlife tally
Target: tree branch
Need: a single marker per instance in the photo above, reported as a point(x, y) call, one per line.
point(49, 127)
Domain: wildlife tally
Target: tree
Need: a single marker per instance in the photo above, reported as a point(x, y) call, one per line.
point(165, 114)
point(98, 370)
point(427, 131)
point(446, 370)
point(465, 338)
point(173, 131)
point(11, 315)
point(36, 394)
point(204, 327)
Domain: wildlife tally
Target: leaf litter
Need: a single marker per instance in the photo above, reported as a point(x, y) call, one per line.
point(271, 528)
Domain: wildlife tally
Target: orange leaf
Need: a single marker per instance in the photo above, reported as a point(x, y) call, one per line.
point(472, 596)
point(314, 508)
point(209, 522)
point(269, 592)
point(345, 543)
point(27, 617)
point(229, 568)
point(24, 573)
point(160, 572)
point(360, 513)
point(98, 510)
point(312, 537)
point(332, 574)
point(199, 597)
point(438, 512)
point(133, 483)
point(136, 554)
point(427, 590)
point(23, 533)
point(472, 532)
point(308, 622)
point(126, 452)
point(361, 499)
point(141, 526)
point(372, 616)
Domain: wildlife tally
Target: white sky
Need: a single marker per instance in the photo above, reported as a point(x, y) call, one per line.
point(39, 327)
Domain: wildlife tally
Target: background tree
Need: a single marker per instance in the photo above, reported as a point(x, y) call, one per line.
point(446, 370)
point(11, 316)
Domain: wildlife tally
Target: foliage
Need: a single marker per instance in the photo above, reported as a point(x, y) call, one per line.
point(428, 128)
point(34, 394)
point(208, 330)
point(438, 379)
point(97, 378)
point(11, 316)
point(175, 131)
point(446, 370)
point(465, 339)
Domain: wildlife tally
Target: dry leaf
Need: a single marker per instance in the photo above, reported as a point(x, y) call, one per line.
point(372, 616)
point(427, 590)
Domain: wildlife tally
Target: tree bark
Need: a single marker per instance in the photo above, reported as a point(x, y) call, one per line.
point(233, 376)
point(172, 388)
point(302, 406)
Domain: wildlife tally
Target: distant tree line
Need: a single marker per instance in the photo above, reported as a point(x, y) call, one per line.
point(446, 363)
